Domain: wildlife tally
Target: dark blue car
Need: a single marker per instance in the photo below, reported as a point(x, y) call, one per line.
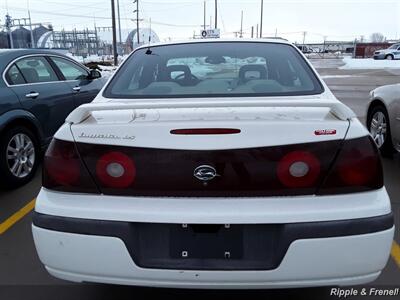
point(38, 89)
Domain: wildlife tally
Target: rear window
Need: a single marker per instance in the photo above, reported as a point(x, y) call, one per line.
point(218, 69)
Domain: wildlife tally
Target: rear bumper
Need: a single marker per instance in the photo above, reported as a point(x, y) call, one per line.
point(342, 252)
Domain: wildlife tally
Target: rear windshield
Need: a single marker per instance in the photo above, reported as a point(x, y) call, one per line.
point(218, 69)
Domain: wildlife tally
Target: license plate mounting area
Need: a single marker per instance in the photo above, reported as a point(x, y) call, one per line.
point(206, 241)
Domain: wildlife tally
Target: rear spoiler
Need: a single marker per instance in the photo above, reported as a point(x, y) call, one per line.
point(80, 114)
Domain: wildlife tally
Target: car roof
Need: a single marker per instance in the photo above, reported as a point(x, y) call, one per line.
point(219, 40)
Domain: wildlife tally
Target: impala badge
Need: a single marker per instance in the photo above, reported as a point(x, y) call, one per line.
point(205, 173)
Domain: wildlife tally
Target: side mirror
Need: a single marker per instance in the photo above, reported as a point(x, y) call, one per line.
point(94, 74)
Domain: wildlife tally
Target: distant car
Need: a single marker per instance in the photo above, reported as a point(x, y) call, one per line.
point(393, 52)
point(38, 89)
point(383, 118)
point(304, 48)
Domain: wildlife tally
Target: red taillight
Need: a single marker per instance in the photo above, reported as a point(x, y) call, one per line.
point(116, 170)
point(322, 168)
point(298, 169)
point(62, 163)
point(205, 131)
point(357, 168)
point(63, 169)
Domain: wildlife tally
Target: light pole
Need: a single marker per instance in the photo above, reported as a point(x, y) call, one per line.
point(114, 33)
point(30, 26)
point(261, 19)
point(241, 24)
point(204, 15)
point(216, 15)
point(137, 20)
point(119, 22)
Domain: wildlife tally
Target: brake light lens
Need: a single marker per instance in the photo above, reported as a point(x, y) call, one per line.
point(357, 168)
point(205, 131)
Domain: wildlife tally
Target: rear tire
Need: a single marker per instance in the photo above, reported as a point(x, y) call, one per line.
point(389, 57)
point(19, 157)
point(379, 127)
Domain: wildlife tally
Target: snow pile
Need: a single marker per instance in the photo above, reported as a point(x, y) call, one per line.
point(369, 63)
point(96, 58)
point(91, 58)
point(107, 71)
point(337, 76)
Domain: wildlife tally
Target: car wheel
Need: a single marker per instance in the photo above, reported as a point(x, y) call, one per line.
point(389, 57)
point(19, 156)
point(379, 127)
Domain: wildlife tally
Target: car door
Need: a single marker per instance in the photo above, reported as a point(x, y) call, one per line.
point(77, 77)
point(42, 92)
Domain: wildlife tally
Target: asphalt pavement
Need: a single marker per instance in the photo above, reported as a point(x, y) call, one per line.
point(23, 277)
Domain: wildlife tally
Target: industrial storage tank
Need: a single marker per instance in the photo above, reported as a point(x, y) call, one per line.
point(21, 38)
point(4, 39)
point(145, 35)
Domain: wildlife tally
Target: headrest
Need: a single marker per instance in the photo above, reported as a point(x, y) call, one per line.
point(252, 68)
point(30, 74)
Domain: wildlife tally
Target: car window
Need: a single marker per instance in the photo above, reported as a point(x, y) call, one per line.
point(14, 76)
point(36, 69)
point(214, 69)
point(70, 70)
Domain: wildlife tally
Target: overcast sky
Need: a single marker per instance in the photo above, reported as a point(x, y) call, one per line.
point(178, 19)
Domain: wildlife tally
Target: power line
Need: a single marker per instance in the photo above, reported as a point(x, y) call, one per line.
point(101, 17)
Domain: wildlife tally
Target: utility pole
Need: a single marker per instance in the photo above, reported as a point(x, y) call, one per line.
point(257, 31)
point(119, 22)
point(241, 25)
point(216, 15)
point(304, 37)
point(137, 20)
point(252, 31)
point(261, 19)
point(114, 33)
point(276, 32)
point(30, 26)
point(204, 15)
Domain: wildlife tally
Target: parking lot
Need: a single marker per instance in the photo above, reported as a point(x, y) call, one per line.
point(22, 275)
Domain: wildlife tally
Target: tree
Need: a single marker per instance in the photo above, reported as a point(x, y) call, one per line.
point(377, 37)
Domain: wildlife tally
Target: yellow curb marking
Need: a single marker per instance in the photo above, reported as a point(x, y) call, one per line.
point(7, 224)
point(396, 253)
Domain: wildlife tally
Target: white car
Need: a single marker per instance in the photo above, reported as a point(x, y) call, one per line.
point(393, 52)
point(383, 118)
point(214, 164)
